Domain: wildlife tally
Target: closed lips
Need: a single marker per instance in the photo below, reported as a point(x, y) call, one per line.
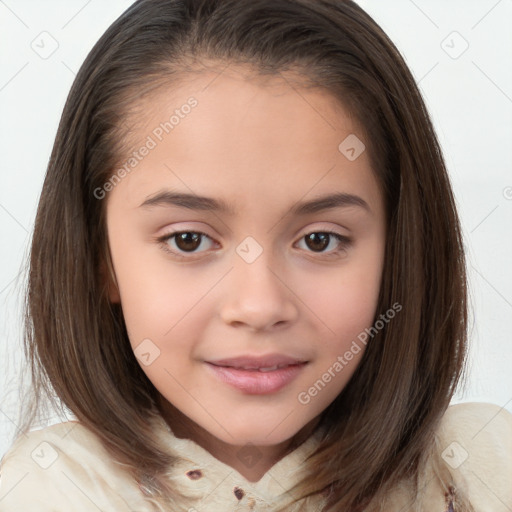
point(256, 368)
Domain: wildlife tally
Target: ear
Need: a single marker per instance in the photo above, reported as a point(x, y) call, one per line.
point(109, 279)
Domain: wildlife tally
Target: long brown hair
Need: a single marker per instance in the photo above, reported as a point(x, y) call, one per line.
point(382, 424)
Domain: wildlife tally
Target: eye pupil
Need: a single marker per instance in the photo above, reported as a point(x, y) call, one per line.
point(188, 241)
point(318, 241)
point(314, 237)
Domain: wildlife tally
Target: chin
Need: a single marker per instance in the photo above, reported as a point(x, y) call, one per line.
point(257, 433)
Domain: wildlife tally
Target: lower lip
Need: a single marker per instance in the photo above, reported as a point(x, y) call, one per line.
point(255, 382)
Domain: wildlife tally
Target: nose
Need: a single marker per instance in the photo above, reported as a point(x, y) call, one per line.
point(257, 296)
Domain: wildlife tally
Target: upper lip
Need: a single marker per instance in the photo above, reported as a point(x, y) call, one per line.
point(250, 362)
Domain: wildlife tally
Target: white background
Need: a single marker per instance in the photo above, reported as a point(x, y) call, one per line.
point(469, 94)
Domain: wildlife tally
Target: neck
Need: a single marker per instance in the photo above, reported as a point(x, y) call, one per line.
point(184, 428)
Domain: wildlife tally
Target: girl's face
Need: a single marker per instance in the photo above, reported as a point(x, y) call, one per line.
point(242, 170)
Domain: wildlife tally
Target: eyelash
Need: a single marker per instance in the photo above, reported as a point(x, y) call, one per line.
point(343, 241)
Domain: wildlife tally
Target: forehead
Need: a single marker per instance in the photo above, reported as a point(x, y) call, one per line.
point(247, 135)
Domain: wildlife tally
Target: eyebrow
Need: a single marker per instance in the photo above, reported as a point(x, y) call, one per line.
point(202, 203)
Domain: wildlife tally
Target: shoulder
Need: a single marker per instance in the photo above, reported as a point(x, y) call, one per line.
point(475, 440)
point(64, 467)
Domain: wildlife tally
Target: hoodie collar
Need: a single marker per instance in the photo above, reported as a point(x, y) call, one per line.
point(208, 482)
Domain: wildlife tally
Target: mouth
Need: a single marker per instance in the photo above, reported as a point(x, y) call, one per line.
point(267, 363)
point(256, 368)
point(257, 375)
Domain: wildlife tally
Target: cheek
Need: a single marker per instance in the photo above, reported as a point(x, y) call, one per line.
point(155, 298)
point(344, 304)
point(344, 307)
point(346, 301)
point(164, 316)
point(167, 312)
point(345, 315)
point(159, 305)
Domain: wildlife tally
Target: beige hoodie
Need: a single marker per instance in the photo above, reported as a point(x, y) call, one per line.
point(64, 468)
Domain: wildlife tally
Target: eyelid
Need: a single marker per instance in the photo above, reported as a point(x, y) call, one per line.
point(332, 231)
point(343, 241)
point(164, 238)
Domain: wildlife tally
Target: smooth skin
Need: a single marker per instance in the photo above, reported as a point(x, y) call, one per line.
point(262, 146)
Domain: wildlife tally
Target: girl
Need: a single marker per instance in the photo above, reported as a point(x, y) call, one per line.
point(247, 278)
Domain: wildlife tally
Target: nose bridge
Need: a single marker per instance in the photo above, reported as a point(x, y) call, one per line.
point(254, 269)
point(257, 295)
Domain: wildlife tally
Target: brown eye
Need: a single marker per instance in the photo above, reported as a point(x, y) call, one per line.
point(183, 242)
point(188, 241)
point(319, 241)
